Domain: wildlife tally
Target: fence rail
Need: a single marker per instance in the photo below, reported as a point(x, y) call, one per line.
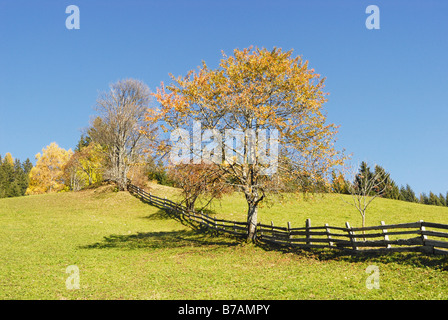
point(417, 236)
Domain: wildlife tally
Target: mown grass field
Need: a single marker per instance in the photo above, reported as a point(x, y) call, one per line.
point(126, 249)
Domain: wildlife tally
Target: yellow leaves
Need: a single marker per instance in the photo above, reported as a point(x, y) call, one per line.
point(47, 175)
point(9, 158)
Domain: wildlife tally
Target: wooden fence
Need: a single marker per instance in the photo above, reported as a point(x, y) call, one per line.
point(417, 236)
point(236, 228)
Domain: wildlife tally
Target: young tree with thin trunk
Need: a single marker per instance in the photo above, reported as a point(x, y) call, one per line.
point(366, 188)
point(273, 101)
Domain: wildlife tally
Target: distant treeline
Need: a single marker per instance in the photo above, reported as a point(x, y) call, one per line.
point(392, 191)
point(14, 176)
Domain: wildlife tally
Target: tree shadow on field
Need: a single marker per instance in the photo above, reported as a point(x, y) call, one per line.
point(164, 214)
point(159, 215)
point(415, 259)
point(162, 240)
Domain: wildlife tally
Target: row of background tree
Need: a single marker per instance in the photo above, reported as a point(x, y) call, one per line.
point(14, 176)
point(125, 126)
point(61, 170)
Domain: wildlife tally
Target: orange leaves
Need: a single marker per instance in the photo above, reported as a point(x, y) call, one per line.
point(255, 88)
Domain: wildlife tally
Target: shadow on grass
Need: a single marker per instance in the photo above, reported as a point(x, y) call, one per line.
point(162, 240)
point(415, 259)
point(200, 236)
point(164, 214)
point(159, 215)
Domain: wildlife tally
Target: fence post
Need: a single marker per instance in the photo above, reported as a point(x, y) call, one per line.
point(308, 235)
point(351, 235)
point(422, 228)
point(386, 237)
point(330, 243)
point(425, 248)
point(289, 232)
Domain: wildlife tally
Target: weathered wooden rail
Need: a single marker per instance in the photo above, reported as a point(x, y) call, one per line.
point(417, 236)
point(236, 228)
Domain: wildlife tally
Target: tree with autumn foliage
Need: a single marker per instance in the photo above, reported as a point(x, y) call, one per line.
point(196, 180)
point(121, 112)
point(339, 184)
point(85, 166)
point(264, 94)
point(48, 173)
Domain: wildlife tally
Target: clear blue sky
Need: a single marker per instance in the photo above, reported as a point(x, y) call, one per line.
point(387, 87)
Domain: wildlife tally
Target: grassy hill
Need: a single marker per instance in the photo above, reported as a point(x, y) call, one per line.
point(320, 208)
point(126, 249)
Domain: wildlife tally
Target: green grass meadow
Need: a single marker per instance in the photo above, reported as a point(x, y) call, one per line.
point(127, 249)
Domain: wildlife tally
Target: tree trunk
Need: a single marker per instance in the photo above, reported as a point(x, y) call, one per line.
point(120, 170)
point(252, 214)
point(189, 205)
point(253, 199)
point(364, 225)
point(123, 179)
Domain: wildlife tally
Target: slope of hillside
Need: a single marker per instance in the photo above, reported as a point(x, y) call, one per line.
point(333, 209)
point(126, 249)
